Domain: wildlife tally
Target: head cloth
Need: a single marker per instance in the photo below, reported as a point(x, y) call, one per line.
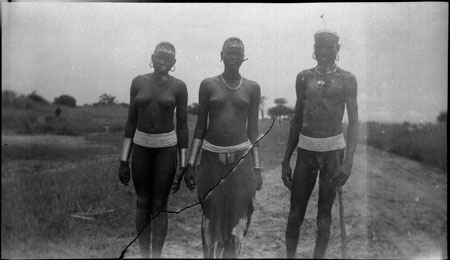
point(326, 36)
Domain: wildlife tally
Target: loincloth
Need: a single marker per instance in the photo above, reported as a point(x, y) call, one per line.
point(229, 205)
point(155, 140)
point(321, 144)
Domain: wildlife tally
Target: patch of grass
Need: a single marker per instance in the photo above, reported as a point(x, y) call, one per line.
point(52, 152)
point(273, 145)
point(425, 143)
point(38, 197)
point(72, 121)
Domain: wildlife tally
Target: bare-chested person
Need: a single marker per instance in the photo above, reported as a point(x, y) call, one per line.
point(323, 93)
point(151, 134)
point(227, 126)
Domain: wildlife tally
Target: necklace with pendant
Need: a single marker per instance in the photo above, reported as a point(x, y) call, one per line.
point(320, 83)
point(228, 86)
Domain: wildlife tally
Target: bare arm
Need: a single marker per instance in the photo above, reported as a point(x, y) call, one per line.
point(341, 176)
point(296, 124)
point(199, 134)
point(202, 116)
point(182, 128)
point(252, 121)
point(253, 132)
point(130, 127)
point(353, 121)
point(182, 134)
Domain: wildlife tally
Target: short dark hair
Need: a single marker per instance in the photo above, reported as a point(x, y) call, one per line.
point(165, 47)
point(233, 41)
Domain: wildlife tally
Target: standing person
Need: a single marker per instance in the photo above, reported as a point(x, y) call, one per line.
point(323, 93)
point(58, 111)
point(150, 131)
point(227, 126)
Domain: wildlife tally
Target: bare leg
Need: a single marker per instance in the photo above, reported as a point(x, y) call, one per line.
point(304, 179)
point(143, 221)
point(141, 173)
point(159, 228)
point(164, 171)
point(327, 194)
point(207, 243)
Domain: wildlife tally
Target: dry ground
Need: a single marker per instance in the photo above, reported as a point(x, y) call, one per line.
point(394, 208)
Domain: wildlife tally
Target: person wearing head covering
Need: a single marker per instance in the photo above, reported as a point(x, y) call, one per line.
point(323, 93)
point(153, 141)
point(227, 127)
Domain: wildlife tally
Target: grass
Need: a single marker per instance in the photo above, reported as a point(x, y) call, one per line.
point(424, 143)
point(43, 184)
point(40, 119)
point(39, 193)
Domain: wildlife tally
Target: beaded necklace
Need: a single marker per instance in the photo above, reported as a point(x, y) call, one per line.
point(228, 86)
point(320, 83)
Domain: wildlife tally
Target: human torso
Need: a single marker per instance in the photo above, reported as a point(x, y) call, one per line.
point(227, 112)
point(324, 106)
point(156, 102)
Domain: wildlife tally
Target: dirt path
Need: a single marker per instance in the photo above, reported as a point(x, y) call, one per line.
point(394, 208)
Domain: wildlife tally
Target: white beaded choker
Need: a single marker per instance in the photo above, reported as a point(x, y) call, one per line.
point(234, 89)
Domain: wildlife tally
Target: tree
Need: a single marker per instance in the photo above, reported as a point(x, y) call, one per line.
point(9, 97)
point(280, 109)
point(262, 105)
point(106, 100)
point(37, 98)
point(65, 100)
point(193, 109)
point(280, 101)
point(442, 117)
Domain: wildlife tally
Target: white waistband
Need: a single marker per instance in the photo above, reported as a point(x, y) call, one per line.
point(155, 140)
point(226, 149)
point(321, 144)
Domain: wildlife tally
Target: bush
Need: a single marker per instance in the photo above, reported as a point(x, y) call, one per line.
point(8, 97)
point(193, 109)
point(65, 100)
point(37, 98)
point(442, 117)
point(11, 99)
point(424, 143)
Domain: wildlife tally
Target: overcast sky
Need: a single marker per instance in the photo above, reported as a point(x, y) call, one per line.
point(397, 51)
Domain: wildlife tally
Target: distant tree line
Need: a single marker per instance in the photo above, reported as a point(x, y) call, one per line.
point(442, 117)
point(65, 100)
point(12, 99)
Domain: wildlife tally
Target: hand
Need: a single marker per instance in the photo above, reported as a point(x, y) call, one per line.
point(286, 175)
point(340, 177)
point(189, 178)
point(259, 179)
point(124, 173)
point(177, 179)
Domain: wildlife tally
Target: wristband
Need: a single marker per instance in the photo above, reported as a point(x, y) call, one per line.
point(127, 143)
point(183, 158)
point(256, 161)
point(196, 144)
